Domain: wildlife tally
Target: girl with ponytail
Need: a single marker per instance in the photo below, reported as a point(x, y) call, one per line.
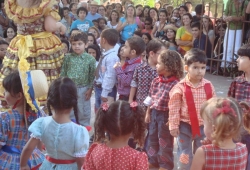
point(120, 121)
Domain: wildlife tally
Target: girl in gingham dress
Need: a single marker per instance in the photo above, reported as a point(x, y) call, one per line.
point(13, 132)
point(120, 121)
point(222, 124)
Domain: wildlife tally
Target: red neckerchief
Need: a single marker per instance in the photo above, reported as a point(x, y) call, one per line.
point(126, 63)
point(162, 80)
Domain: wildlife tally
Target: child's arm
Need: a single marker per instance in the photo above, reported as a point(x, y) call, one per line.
point(133, 86)
point(79, 162)
point(198, 160)
point(27, 151)
point(147, 117)
point(132, 94)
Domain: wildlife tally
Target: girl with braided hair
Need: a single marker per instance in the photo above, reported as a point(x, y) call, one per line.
point(66, 142)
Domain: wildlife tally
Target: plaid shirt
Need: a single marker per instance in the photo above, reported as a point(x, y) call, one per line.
point(159, 93)
point(225, 159)
point(142, 79)
point(240, 89)
point(178, 109)
point(125, 76)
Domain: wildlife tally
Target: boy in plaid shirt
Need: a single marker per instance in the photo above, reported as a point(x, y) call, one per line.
point(160, 142)
point(240, 87)
point(185, 103)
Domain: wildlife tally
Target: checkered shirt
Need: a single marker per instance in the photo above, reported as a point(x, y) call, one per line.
point(225, 159)
point(159, 93)
point(178, 109)
point(125, 76)
point(142, 79)
point(240, 89)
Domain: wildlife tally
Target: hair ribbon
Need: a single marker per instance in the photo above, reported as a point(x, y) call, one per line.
point(225, 109)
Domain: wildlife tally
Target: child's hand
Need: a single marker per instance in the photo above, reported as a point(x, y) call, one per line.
point(63, 30)
point(206, 141)
point(174, 132)
point(25, 167)
point(88, 94)
point(147, 117)
point(117, 64)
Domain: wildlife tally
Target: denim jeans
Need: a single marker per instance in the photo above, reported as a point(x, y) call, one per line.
point(160, 141)
point(185, 141)
point(98, 92)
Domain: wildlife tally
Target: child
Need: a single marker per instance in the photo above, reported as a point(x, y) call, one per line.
point(145, 73)
point(66, 20)
point(80, 67)
point(222, 123)
point(185, 102)
point(94, 51)
point(91, 39)
point(240, 87)
point(120, 120)
point(65, 45)
point(200, 40)
point(148, 25)
point(82, 23)
point(13, 131)
point(133, 48)
point(160, 142)
point(105, 78)
point(66, 142)
point(101, 24)
point(3, 48)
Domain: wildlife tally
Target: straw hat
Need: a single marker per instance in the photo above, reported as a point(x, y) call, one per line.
point(170, 26)
point(93, 3)
point(34, 85)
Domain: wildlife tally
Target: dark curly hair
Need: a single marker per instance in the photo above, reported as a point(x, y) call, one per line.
point(173, 62)
point(120, 119)
point(62, 95)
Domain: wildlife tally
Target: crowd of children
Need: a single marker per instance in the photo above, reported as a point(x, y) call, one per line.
point(156, 102)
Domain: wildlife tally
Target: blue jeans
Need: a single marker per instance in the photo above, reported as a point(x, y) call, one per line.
point(185, 141)
point(98, 92)
point(160, 141)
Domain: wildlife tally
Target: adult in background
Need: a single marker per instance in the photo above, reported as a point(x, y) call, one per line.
point(93, 15)
point(127, 25)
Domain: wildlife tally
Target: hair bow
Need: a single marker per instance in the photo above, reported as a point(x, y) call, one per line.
point(105, 106)
point(133, 105)
point(225, 109)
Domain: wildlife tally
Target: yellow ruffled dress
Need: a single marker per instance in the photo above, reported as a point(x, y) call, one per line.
point(35, 48)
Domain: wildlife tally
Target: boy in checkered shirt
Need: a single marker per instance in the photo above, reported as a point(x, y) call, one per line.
point(240, 87)
point(160, 142)
point(185, 102)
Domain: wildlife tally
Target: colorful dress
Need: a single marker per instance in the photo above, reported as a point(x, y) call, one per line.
point(183, 35)
point(65, 141)
point(13, 132)
point(102, 157)
point(41, 49)
point(225, 159)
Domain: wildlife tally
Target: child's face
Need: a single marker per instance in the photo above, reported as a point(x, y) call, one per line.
point(74, 7)
point(82, 15)
point(10, 33)
point(78, 47)
point(114, 16)
point(90, 40)
point(65, 48)
point(101, 24)
point(122, 54)
point(161, 68)
point(93, 31)
point(145, 39)
point(196, 71)
point(95, 24)
point(3, 49)
point(92, 52)
point(148, 25)
point(195, 32)
point(143, 57)
point(221, 32)
point(66, 13)
point(11, 99)
point(243, 63)
point(127, 50)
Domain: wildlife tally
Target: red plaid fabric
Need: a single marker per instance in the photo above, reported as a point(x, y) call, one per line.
point(240, 89)
point(159, 92)
point(225, 159)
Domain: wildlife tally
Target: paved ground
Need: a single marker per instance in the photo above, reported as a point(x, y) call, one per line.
point(220, 83)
